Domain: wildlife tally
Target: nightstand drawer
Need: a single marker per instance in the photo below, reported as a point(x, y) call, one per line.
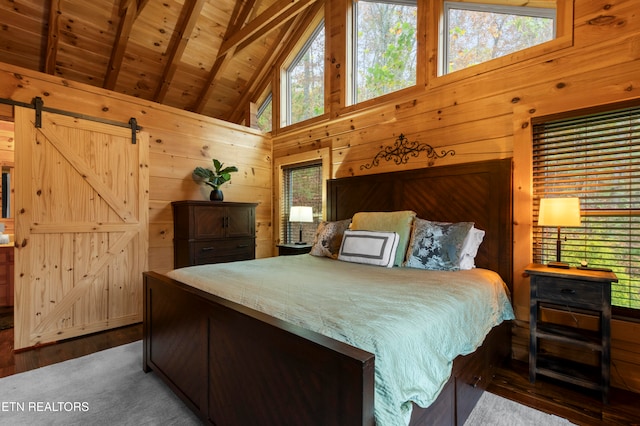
point(570, 291)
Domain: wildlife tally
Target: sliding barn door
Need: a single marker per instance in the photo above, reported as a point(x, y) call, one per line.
point(81, 227)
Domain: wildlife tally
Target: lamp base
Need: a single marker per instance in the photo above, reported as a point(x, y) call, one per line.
point(561, 265)
point(300, 243)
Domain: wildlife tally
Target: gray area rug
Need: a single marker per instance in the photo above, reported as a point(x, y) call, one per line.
point(497, 411)
point(104, 388)
point(110, 388)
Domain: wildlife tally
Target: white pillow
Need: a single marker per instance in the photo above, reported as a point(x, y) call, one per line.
point(470, 248)
point(369, 247)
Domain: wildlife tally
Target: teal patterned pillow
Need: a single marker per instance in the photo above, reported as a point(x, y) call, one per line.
point(436, 245)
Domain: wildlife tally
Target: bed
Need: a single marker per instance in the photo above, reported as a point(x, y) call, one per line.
point(232, 363)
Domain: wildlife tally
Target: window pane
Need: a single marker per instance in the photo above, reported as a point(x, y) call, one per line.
point(265, 115)
point(302, 187)
point(385, 48)
point(595, 158)
point(306, 80)
point(488, 32)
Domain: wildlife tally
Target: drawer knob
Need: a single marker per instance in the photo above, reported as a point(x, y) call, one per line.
point(476, 381)
point(207, 248)
point(568, 291)
point(243, 245)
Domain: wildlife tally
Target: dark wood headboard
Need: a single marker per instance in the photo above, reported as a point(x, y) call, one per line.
point(473, 192)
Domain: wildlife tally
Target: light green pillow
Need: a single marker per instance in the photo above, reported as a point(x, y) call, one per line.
point(399, 221)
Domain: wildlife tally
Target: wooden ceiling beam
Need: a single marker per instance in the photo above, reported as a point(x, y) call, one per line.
point(142, 4)
point(264, 72)
point(178, 43)
point(270, 19)
point(129, 11)
point(278, 13)
point(218, 66)
point(238, 18)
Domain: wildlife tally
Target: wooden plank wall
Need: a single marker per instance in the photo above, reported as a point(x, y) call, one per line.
point(485, 113)
point(179, 141)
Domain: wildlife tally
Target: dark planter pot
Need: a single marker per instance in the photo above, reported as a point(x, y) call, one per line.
point(216, 195)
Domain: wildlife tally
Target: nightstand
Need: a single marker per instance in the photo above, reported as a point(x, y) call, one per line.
point(578, 293)
point(293, 249)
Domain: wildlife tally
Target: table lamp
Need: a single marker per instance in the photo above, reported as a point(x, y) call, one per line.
point(559, 212)
point(301, 214)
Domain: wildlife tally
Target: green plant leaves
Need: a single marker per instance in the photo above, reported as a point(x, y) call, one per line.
point(218, 176)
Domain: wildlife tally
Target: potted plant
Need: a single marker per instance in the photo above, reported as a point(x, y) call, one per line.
point(214, 178)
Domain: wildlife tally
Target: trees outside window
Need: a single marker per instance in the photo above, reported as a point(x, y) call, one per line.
point(305, 80)
point(385, 47)
point(477, 33)
point(302, 187)
point(594, 157)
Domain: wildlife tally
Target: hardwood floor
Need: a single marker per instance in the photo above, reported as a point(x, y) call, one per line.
point(512, 381)
point(578, 405)
point(12, 363)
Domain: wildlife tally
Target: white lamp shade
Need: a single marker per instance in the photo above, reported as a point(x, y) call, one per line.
point(301, 214)
point(559, 212)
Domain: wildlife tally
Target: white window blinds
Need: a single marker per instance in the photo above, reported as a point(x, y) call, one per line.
point(302, 187)
point(596, 158)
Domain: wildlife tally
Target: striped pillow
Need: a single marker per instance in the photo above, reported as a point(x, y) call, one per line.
point(369, 247)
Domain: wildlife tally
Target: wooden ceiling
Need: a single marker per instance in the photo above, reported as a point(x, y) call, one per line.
point(212, 57)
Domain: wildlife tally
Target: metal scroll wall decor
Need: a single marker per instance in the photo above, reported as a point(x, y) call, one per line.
point(402, 150)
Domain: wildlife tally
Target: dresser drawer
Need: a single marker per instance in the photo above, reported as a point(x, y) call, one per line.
point(217, 251)
point(570, 291)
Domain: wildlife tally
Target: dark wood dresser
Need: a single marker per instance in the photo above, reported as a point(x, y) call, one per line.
point(213, 232)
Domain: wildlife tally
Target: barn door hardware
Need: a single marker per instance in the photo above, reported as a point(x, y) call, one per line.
point(133, 123)
point(38, 105)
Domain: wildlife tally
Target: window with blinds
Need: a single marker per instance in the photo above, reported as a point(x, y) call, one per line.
point(596, 158)
point(302, 187)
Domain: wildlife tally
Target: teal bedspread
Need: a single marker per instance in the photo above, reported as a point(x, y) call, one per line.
point(414, 321)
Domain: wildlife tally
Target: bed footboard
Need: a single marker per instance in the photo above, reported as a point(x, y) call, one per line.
point(470, 377)
point(232, 365)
